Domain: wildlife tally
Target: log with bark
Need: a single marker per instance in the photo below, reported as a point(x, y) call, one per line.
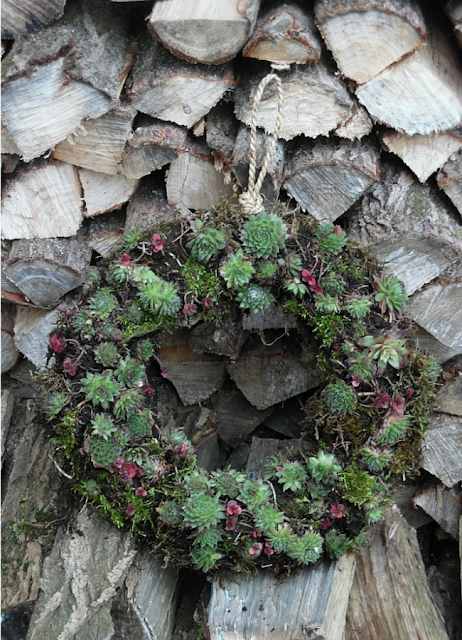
point(10, 353)
point(148, 209)
point(105, 233)
point(449, 179)
point(285, 34)
point(209, 31)
point(32, 332)
point(21, 17)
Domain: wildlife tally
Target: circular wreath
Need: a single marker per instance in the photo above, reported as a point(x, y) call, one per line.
point(366, 420)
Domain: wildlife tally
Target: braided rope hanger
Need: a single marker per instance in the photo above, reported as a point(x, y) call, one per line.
point(251, 200)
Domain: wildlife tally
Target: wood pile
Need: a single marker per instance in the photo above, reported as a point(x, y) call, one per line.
point(119, 114)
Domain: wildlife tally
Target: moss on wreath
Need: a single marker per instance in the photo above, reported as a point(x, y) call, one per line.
point(368, 419)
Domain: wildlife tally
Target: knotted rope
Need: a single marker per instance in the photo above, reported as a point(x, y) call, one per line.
point(251, 200)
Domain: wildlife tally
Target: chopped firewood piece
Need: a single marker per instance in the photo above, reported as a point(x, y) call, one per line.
point(21, 17)
point(367, 37)
point(284, 35)
point(148, 209)
point(449, 179)
point(356, 126)
point(441, 448)
point(10, 354)
point(209, 31)
point(443, 505)
point(105, 233)
point(32, 332)
point(103, 192)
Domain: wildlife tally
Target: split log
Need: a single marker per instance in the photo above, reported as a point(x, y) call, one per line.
point(32, 333)
point(449, 179)
point(72, 70)
point(453, 10)
point(274, 317)
point(414, 515)
point(315, 100)
point(222, 340)
point(286, 34)
point(22, 17)
point(221, 129)
point(45, 270)
point(356, 126)
point(98, 144)
point(425, 340)
point(209, 31)
point(43, 201)
point(443, 505)
point(390, 597)
point(449, 399)
point(192, 180)
point(236, 418)
point(103, 192)
point(441, 447)
point(423, 154)
point(327, 178)
point(367, 37)
point(152, 147)
point(7, 408)
point(241, 158)
point(170, 89)
point(422, 93)
point(105, 233)
point(148, 209)
point(408, 227)
point(10, 354)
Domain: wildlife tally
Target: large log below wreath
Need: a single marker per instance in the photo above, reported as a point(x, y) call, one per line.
point(209, 31)
point(366, 37)
point(170, 89)
point(20, 17)
point(315, 100)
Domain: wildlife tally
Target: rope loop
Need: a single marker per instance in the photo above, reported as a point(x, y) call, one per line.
point(251, 201)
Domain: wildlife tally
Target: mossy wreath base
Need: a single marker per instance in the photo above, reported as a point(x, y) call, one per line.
point(366, 421)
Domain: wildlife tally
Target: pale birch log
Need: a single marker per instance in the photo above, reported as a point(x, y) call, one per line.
point(103, 192)
point(241, 158)
point(368, 36)
point(423, 154)
point(170, 89)
point(390, 597)
point(21, 17)
point(32, 332)
point(98, 144)
point(356, 126)
point(151, 147)
point(209, 31)
point(315, 100)
point(105, 233)
point(69, 71)
point(441, 448)
point(43, 201)
point(10, 354)
point(453, 10)
point(449, 179)
point(443, 505)
point(149, 209)
point(285, 34)
point(422, 93)
point(408, 227)
point(329, 177)
point(45, 270)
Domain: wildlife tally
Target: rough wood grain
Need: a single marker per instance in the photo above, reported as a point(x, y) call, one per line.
point(408, 227)
point(21, 17)
point(7, 407)
point(222, 340)
point(327, 178)
point(441, 448)
point(425, 340)
point(98, 144)
point(170, 89)
point(105, 233)
point(151, 147)
point(236, 418)
point(209, 31)
point(315, 100)
point(32, 332)
point(449, 179)
point(390, 597)
point(422, 93)
point(356, 126)
point(453, 10)
point(221, 129)
point(44, 270)
point(443, 505)
point(368, 36)
point(43, 201)
point(423, 154)
point(10, 354)
point(285, 34)
point(449, 399)
point(103, 192)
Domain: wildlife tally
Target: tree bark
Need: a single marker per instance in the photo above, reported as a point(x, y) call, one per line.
point(10, 354)
point(449, 179)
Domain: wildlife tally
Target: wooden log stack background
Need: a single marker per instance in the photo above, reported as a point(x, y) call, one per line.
point(120, 114)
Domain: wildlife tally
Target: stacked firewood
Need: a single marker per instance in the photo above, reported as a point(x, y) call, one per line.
point(117, 114)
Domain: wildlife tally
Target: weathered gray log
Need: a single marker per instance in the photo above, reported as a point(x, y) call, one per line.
point(210, 31)
point(453, 10)
point(10, 354)
point(71, 70)
point(43, 201)
point(285, 34)
point(443, 505)
point(222, 340)
point(408, 227)
point(414, 515)
point(7, 407)
point(151, 147)
point(98, 144)
point(32, 332)
point(103, 192)
point(241, 158)
point(390, 597)
point(423, 154)
point(22, 17)
point(356, 126)
point(367, 37)
point(421, 93)
point(221, 129)
point(327, 178)
point(441, 448)
point(315, 100)
point(274, 317)
point(44, 270)
point(449, 399)
point(170, 89)
point(105, 233)
point(425, 340)
point(449, 179)
point(149, 208)
point(236, 418)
